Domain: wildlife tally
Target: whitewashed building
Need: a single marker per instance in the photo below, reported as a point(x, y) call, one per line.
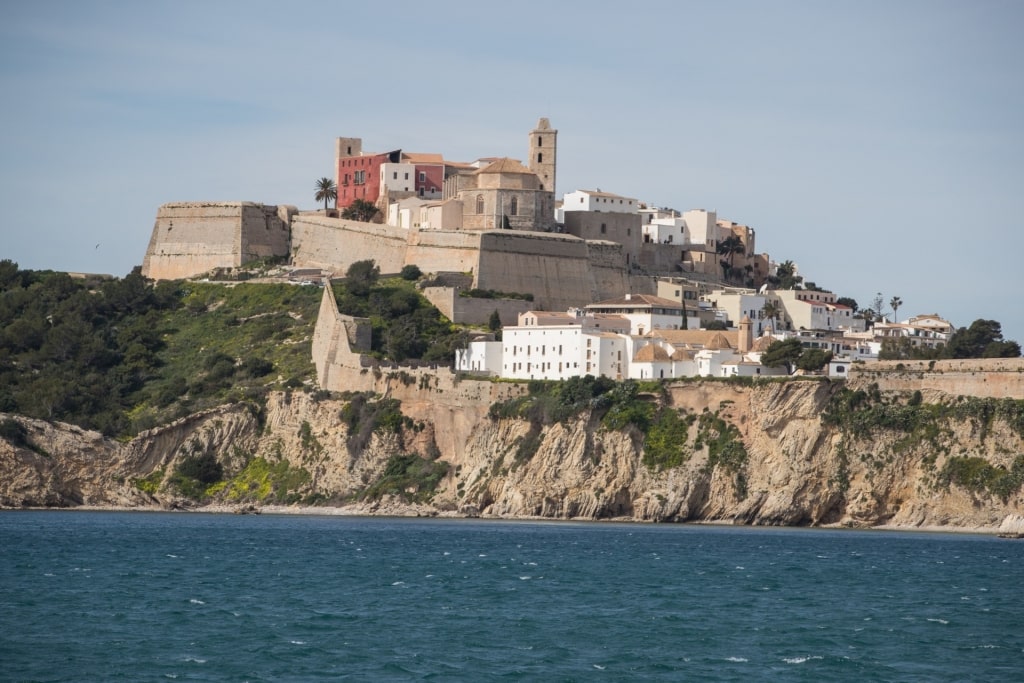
point(596, 200)
point(645, 312)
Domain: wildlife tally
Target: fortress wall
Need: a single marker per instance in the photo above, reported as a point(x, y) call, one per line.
point(983, 377)
point(470, 311)
point(191, 238)
point(554, 268)
point(334, 244)
point(436, 251)
point(609, 279)
point(265, 231)
point(432, 394)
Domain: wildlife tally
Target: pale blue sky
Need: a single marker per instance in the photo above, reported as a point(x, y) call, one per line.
point(880, 145)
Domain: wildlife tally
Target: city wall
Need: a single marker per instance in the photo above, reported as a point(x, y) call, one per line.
point(982, 377)
point(561, 271)
point(436, 251)
point(431, 393)
point(334, 244)
point(474, 311)
point(191, 238)
point(552, 267)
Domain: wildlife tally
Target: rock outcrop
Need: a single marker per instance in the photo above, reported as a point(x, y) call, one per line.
point(953, 468)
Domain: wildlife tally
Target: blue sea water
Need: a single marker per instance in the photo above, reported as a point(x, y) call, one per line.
point(99, 596)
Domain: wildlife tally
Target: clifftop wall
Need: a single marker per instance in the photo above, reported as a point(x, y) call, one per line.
point(983, 377)
point(192, 238)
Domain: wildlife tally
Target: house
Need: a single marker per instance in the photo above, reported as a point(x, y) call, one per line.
point(645, 312)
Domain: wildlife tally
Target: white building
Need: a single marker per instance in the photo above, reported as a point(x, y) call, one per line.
point(398, 177)
point(405, 213)
point(928, 331)
point(595, 200)
point(645, 312)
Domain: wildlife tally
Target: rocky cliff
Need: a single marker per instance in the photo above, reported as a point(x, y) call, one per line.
point(778, 453)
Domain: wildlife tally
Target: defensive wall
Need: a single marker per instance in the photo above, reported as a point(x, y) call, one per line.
point(334, 244)
point(473, 310)
point(561, 271)
point(982, 377)
point(191, 238)
point(428, 392)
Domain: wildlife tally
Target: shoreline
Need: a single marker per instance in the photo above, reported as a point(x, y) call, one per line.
point(404, 510)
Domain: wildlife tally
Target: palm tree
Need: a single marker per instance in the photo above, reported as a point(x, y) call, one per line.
point(770, 310)
point(895, 303)
point(326, 191)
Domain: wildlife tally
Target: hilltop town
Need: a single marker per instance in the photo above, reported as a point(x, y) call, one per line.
point(592, 283)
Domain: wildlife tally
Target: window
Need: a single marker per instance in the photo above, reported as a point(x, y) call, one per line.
point(604, 228)
point(540, 141)
point(540, 158)
point(479, 203)
point(360, 177)
point(423, 176)
point(395, 176)
point(406, 176)
point(513, 207)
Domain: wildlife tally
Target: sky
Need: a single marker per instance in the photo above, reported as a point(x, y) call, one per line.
point(878, 145)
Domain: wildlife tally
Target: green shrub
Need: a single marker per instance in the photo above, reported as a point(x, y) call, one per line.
point(979, 476)
point(409, 476)
point(665, 444)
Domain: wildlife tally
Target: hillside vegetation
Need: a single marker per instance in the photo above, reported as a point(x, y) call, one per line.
point(124, 355)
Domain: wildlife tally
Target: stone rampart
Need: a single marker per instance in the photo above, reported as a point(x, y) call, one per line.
point(431, 393)
point(473, 311)
point(608, 278)
point(334, 244)
point(435, 251)
point(982, 377)
point(554, 268)
point(191, 238)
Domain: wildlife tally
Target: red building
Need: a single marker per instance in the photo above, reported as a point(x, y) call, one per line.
point(358, 176)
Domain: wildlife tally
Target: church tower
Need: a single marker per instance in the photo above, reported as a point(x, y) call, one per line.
point(543, 153)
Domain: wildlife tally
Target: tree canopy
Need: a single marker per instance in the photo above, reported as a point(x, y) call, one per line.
point(782, 353)
point(360, 210)
point(361, 276)
point(326, 191)
point(983, 339)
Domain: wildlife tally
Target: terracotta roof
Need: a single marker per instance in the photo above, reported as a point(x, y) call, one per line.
point(718, 342)
point(761, 344)
point(682, 354)
point(505, 165)
point(418, 158)
point(639, 300)
point(696, 338)
point(651, 353)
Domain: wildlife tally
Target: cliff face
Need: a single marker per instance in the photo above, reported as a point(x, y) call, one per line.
point(760, 454)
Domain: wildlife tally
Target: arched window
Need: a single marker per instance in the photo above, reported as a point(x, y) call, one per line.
point(513, 206)
point(479, 203)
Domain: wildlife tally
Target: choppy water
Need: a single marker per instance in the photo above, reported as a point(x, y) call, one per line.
point(191, 597)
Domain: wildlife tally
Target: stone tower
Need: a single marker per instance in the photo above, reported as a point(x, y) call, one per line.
point(543, 154)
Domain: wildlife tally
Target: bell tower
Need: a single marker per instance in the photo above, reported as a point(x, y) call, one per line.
point(543, 154)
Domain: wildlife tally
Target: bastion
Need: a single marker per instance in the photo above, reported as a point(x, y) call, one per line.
point(192, 238)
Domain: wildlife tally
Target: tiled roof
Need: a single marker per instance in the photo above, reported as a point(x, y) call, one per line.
point(505, 165)
point(418, 158)
point(696, 338)
point(638, 300)
point(651, 353)
point(718, 342)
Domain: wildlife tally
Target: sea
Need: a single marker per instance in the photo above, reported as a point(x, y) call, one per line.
point(139, 596)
